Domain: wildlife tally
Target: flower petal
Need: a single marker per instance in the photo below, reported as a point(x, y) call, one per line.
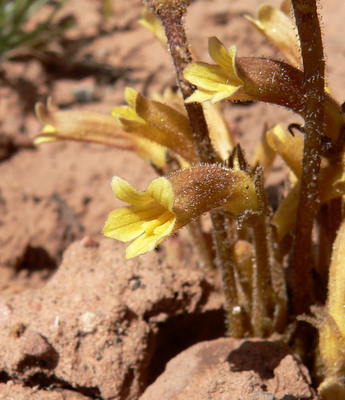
point(124, 225)
point(221, 136)
point(284, 218)
point(161, 190)
point(146, 243)
point(226, 94)
point(127, 113)
point(96, 128)
point(130, 96)
point(45, 139)
point(125, 192)
point(199, 96)
point(212, 81)
point(206, 76)
point(279, 30)
point(224, 58)
point(289, 147)
point(43, 114)
point(157, 226)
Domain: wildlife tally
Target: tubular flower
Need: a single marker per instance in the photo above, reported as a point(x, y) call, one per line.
point(331, 186)
point(222, 138)
point(245, 79)
point(157, 122)
point(255, 79)
point(215, 82)
point(172, 202)
point(289, 147)
point(331, 178)
point(95, 128)
point(280, 30)
point(264, 155)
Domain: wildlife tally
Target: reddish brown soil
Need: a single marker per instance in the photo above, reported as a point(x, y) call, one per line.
point(76, 320)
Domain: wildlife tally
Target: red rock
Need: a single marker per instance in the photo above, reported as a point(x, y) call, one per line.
point(108, 325)
point(233, 369)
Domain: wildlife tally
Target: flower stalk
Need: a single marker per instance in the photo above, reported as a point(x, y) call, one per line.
point(314, 92)
point(171, 14)
point(201, 247)
point(262, 296)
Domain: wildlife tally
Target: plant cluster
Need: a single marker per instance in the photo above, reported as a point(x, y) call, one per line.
point(185, 137)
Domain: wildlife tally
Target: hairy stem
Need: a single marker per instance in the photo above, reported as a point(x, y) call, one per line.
point(172, 22)
point(170, 14)
point(226, 263)
point(262, 295)
point(260, 279)
point(200, 245)
point(314, 68)
point(280, 295)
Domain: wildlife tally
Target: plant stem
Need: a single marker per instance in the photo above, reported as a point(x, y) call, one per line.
point(262, 295)
point(226, 264)
point(314, 68)
point(200, 245)
point(171, 13)
point(280, 296)
point(178, 46)
point(260, 279)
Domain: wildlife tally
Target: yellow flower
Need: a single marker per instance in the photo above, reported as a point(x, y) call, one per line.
point(172, 202)
point(148, 219)
point(222, 138)
point(263, 155)
point(245, 79)
point(290, 148)
point(215, 82)
point(255, 79)
point(280, 30)
point(157, 122)
point(95, 128)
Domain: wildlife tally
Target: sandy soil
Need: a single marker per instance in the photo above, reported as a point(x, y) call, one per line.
point(76, 320)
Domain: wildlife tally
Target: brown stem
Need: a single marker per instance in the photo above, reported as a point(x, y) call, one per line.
point(329, 219)
point(278, 283)
point(226, 263)
point(200, 246)
point(171, 18)
point(260, 280)
point(170, 13)
point(314, 69)
point(262, 296)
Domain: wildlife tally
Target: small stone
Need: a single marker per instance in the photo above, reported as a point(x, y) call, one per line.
point(89, 322)
point(34, 344)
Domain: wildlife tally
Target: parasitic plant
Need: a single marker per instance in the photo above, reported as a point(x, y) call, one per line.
point(184, 136)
